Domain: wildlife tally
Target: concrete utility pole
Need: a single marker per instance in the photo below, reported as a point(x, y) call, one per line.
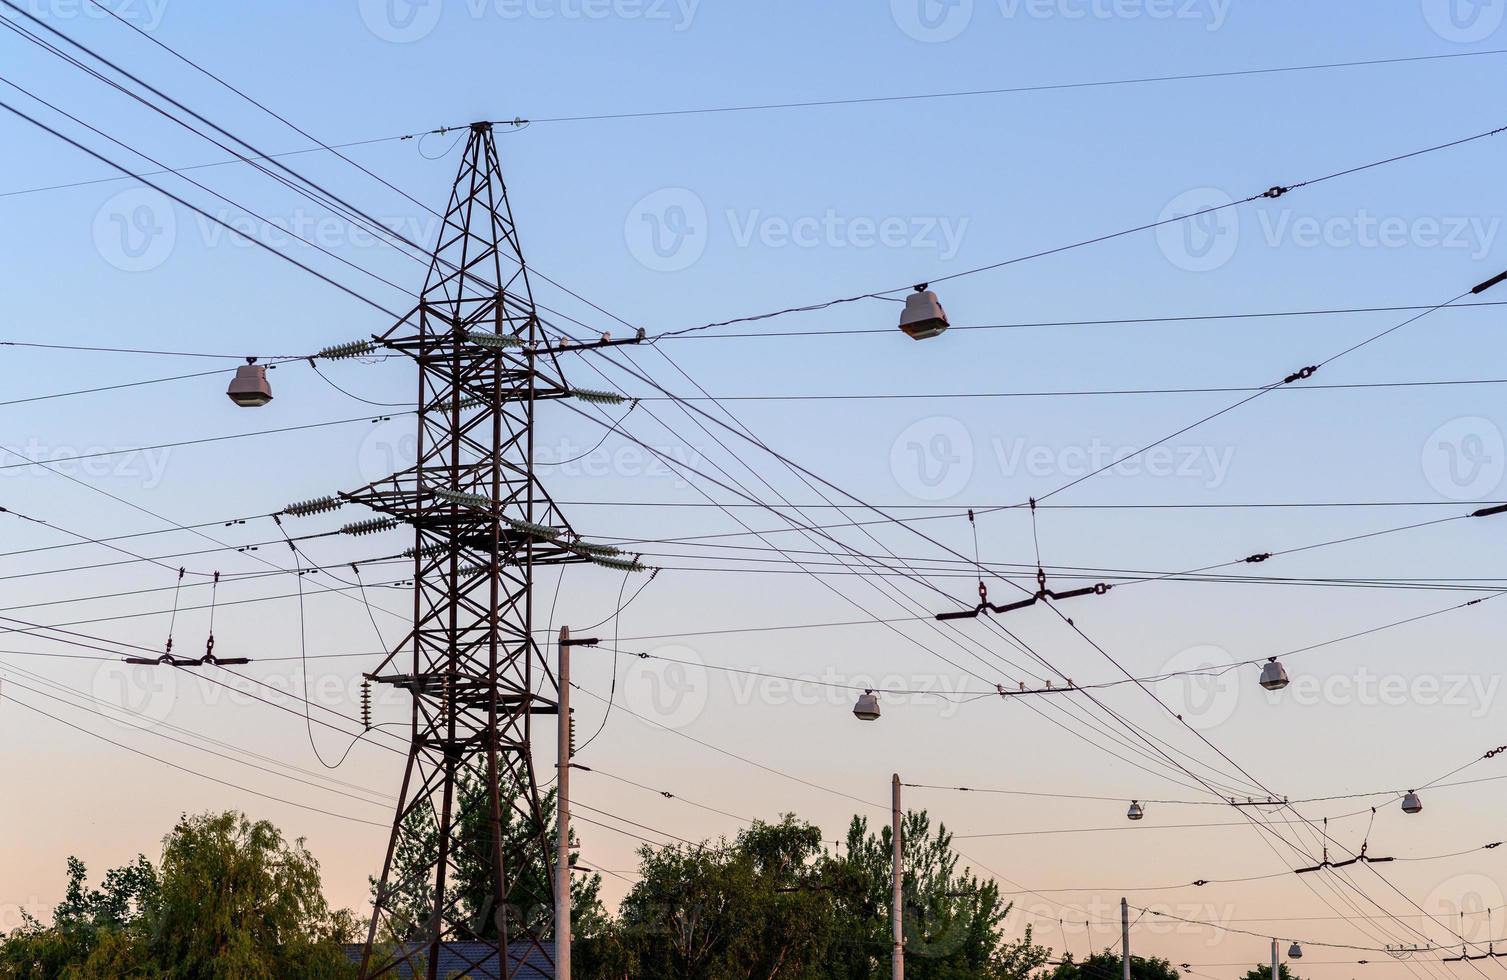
point(562, 816)
point(1125, 937)
point(562, 807)
point(1276, 964)
point(897, 909)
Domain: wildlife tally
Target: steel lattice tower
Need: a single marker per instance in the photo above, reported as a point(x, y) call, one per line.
point(482, 524)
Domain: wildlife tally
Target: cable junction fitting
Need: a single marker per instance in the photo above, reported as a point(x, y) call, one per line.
point(1302, 375)
point(1040, 594)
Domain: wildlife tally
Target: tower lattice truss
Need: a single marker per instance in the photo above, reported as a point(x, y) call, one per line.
point(470, 849)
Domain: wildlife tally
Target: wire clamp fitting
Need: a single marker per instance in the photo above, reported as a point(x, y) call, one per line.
point(1276, 192)
point(1302, 375)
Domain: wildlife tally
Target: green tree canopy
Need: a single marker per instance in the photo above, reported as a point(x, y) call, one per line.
point(531, 906)
point(231, 899)
point(1110, 965)
point(1264, 972)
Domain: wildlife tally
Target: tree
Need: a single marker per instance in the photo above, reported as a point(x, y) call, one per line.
point(1109, 965)
point(231, 899)
point(1264, 972)
point(952, 919)
point(773, 903)
point(470, 886)
point(752, 907)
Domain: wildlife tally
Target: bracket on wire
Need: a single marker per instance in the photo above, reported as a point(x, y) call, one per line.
point(1042, 592)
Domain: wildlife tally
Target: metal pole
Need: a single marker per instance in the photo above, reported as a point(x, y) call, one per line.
point(1276, 964)
point(897, 909)
point(1125, 938)
point(562, 816)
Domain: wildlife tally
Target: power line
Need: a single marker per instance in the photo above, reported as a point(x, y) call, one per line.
point(1272, 193)
point(1118, 321)
point(975, 93)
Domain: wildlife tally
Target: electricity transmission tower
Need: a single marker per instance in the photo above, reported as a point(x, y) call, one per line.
point(469, 855)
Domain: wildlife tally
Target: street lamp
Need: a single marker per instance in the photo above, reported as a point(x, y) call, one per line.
point(1273, 675)
point(867, 708)
point(923, 315)
point(1411, 803)
point(1295, 952)
point(1136, 811)
point(249, 387)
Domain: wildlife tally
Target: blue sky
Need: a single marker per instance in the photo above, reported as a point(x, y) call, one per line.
point(676, 221)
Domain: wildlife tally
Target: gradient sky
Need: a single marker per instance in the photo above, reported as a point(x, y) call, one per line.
point(680, 220)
